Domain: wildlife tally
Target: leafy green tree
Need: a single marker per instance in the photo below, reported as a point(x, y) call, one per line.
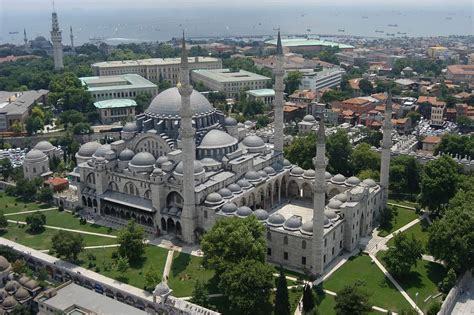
point(71, 117)
point(365, 174)
point(3, 221)
point(405, 174)
point(438, 183)
point(364, 158)
point(131, 241)
point(302, 150)
point(372, 137)
point(465, 123)
point(122, 264)
point(21, 309)
point(366, 86)
point(386, 216)
point(448, 282)
point(293, 81)
point(339, 151)
point(200, 294)
point(67, 92)
point(45, 194)
point(414, 117)
point(33, 124)
point(456, 144)
point(434, 308)
point(82, 129)
point(143, 101)
point(333, 95)
point(308, 299)
point(282, 303)
point(36, 222)
point(67, 244)
point(6, 168)
point(152, 278)
point(351, 300)
point(19, 266)
point(403, 255)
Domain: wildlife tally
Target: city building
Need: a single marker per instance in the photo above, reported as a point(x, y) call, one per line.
point(326, 78)
point(154, 69)
point(461, 73)
point(438, 110)
point(267, 96)
point(435, 51)
point(310, 215)
point(358, 105)
point(429, 143)
point(291, 62)
point(115, 110)
point(303, 96)
point(351, 58)
point(299, 45)
point(229, 81)
point(17, 106)
point(36, 162)
point(118, 86)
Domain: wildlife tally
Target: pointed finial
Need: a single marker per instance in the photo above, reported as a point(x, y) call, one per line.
point(54, 8)
point(321, 133)
point(184, 53)
point(279, 48)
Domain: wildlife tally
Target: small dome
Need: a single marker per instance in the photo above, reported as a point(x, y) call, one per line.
point(161, 289)
point(88, 149)
point(309, 118)
point(338, 179)
point(224, 192)
point(252, 176)
point(34, 155)
point(244, 211)
point(234, 188)
point(143, 159)
point(23, 280)
point(11, 286)
point(9, 302)
point(330, 214)
point(297, 171)
point(197, 168)
point(293, 223)
point(230, 122)
point(130, 127)
point(32, 284)
point(102, 150)
point(126, 155)
point(307, 228)
point(244, 183)
point(286, 163)
point(162, 159)
point(326, 223)
point(3, 295)
point(277, 166)
point(261, 214)
point(217, 139)
point(262, 174)
point(309, 174)
point(369, 182)
point(334, 204)
point(229, 208)
point(327, 176)
point(353, 181)
point(21, 294)
point(44, 146)
point(342, 197)
point(214, 198)
point(276, 219)
point(4, 264)
point(253, 142)
point(269, 170)
point(247, 123)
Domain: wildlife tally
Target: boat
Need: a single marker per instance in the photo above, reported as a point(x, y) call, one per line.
point(390, 34)
point(365, 17)
point(308, 30)
point(341, 30)
point(379, 31)
point(11, 33)
point(393, 25)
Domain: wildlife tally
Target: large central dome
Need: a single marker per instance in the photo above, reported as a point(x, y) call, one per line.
point(168, 103)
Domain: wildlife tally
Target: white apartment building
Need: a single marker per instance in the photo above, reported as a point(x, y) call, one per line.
point(437, 114)
point(326, 78)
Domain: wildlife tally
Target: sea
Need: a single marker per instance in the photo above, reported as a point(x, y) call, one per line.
point(119, 25)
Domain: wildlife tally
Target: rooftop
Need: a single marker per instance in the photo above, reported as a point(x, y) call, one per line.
point(300, 42)
point(19, 102)
point(150, 62)
point(116, 82)
point(226, 75)
point(461, 69)
point(261, 92)
point(115, 103)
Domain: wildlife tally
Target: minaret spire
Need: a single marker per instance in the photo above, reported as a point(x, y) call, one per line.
point(56, 38)
point(187, 132)
point(386, 149)
point(25, 39)
point(319, 202)
point(72, 37)
point(279, 88)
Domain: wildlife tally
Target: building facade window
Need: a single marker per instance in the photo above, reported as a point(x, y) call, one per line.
point(285, 256)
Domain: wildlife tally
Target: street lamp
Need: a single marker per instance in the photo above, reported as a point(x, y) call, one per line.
point(416, 299)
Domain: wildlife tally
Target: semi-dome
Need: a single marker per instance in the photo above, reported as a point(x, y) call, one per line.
point(229, 208)
point(88, 149)
point(130, 127)
point(214, 198)
point(4, 264)
point(309, 173)
point(168, 103)
point(261, 214)
point(143, 159)
point(21, 294)
point(44, 146)
point(243, 211)
point(161, 289)
point(369, 182)
point(253, 141)
point(330, 214)
point(293, 223)
point(276, 219)
point(352, 181)
point(102, 150)
point(9, 302)
point(225, 192)
point(338, 179)
point(297, 171)
point(126, 155)
point(34, 154)
point(342, 197)
point(244, 183)
point(334, 204)
point(217, 139)
point(269, 170)
point(234, 188)
point(309, 118)
point(230, 122)
point(252, 176)
point(197, 168)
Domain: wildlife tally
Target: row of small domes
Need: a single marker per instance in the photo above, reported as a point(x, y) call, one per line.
point(336, 179)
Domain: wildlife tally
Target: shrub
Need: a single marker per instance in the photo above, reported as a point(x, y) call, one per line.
point(434, 308)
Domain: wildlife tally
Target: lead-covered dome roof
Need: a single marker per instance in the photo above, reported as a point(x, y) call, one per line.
point(217, 139)
point(130, 127)
point(143, 159)
point(197, 168)
point(253, 141)
point(126, 155)
point(34, 155)
point(44, 146)
point(87, 149)
point(168, 103)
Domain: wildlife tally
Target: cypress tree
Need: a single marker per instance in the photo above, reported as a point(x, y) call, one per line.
point(282, 303)
point(308, 299)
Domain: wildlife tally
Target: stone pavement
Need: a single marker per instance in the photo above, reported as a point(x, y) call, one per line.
point(69, 230)
point(30, 211)
point(167, 268)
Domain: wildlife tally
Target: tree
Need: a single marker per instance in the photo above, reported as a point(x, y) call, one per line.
point(143, 101)
point(465, 123)
point(386, 215)
point(364, 158)
point(122, 264)
point(242, 280)
point(33, 124)
point(455, 144)
point(434, 308)
point(82, 129)
point(372, 137)
point(351, 300)
point(308, 299)
point(6, 168)
point(448, 282)
point(152, 278)
point(131, 241)
point(339, 150)
point(282, 303)
point(365, 174)
point(45, 194)
point(67, 244)
point(67, 92)
point(293, 81)
point(21, 309)
point(17, 128)
point(438, 183)
point(302, 150)
point(366, 86)
point(3, 221)
point(36, 222)
point(405, 174)
point(19, 266)
point(200, 294)
point(71, 117)
point(403, 255)
point(333, 95)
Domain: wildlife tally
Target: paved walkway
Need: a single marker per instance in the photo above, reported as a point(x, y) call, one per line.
point(401, 206)
point(30, 211)
point(169, 262)
point(87, 247)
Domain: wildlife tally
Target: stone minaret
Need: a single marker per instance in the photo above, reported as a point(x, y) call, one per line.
point(188, 215)
point(386, 147)
point(57, 45)
point(319, 203)
point(25, 39)
point(71, 37)
point(279, 88)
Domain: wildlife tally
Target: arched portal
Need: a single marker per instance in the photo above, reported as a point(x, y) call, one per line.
point(174, 199)
point(163, 224)
point(178, 228)
point(307, 191)
point(170, 225)
point(293, 190)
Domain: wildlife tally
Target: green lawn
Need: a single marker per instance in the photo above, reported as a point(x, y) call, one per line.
point(402, 217)
point(185, 270)
point(404, 202)
point(66, 220)
point(43, 240)
point(9, 204)
point(382, 292)
point(420, 231)
point(135, 275)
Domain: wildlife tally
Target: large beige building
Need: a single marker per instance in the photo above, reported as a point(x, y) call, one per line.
point(154, 69)
point(461, 73)
point(230, 82)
